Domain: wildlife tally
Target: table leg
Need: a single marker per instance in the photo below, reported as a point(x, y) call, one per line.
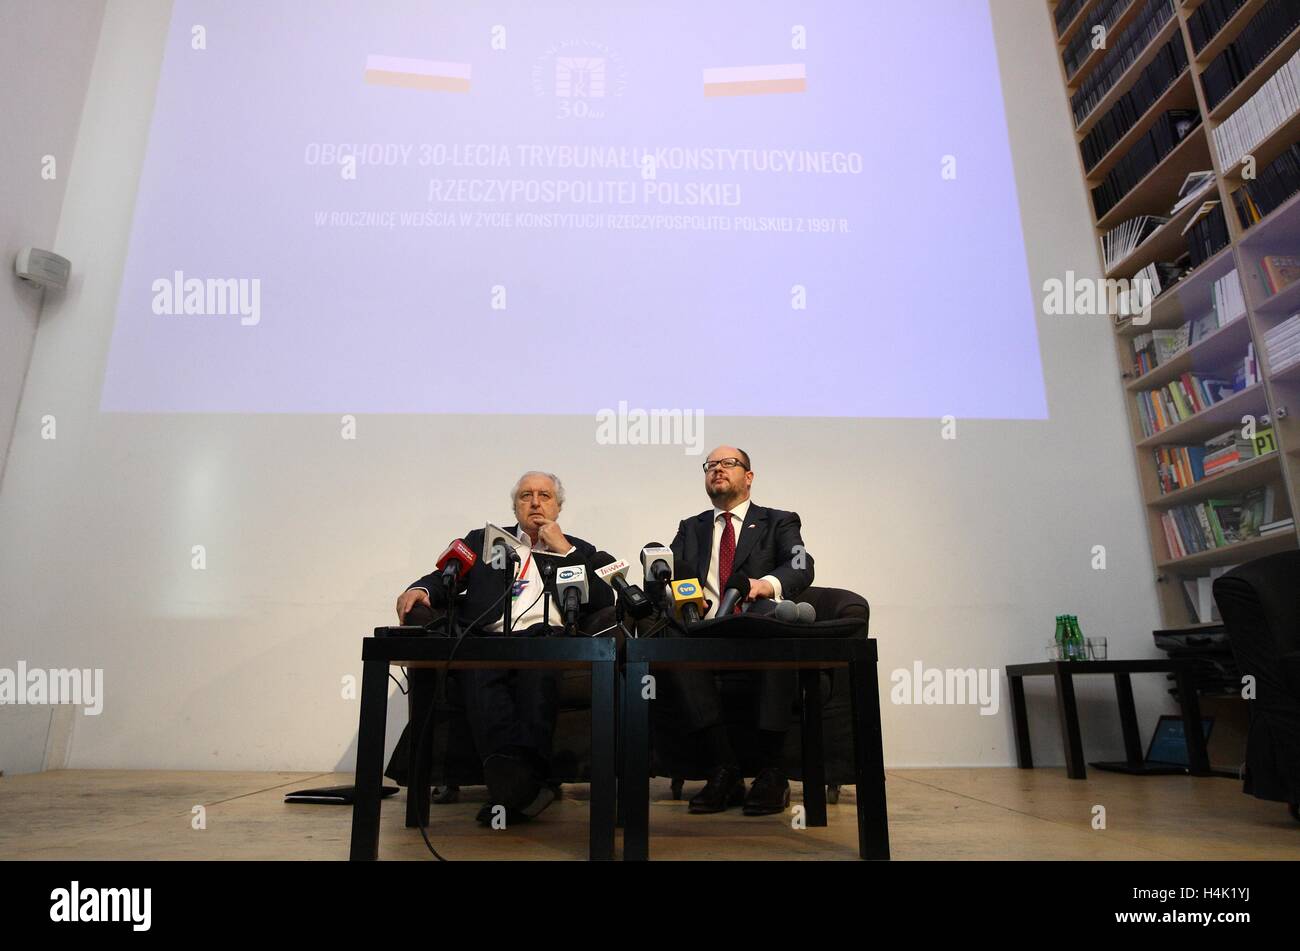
point(1128, 719)
point(422, 687)
point(620, 685)
point(1068, 712)
point(869, 761)
point(814, 760)
point(636, 765)
point(1020, 723)
point(602, 760)
point(1197, 757)
point(370, 760)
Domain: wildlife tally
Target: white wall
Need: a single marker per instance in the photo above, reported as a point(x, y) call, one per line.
point(967, 549)
point(46, 49)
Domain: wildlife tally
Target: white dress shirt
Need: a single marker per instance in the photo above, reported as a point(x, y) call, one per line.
point(712, 582)
point(528, 590)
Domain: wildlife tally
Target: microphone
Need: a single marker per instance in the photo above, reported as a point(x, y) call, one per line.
point(807, 613)
point(688, 600)
point(657, 570)
point(457, 560)
point(500, 549)
point(614, 574)
point(571, 592)
point(736, 591)
point(786, 611)
point(656, 563)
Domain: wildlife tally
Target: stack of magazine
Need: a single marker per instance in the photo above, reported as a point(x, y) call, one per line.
point(1282, 344)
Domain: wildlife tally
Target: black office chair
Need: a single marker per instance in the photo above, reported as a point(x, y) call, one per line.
point(1260, 605)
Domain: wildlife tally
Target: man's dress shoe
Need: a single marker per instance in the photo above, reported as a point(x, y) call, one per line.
point(726, 787)
point(769, 793)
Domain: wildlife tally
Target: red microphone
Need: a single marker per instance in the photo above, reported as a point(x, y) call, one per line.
point(456, 561)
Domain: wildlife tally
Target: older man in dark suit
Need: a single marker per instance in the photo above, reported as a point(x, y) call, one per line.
point(512, 713)
point(765, 544)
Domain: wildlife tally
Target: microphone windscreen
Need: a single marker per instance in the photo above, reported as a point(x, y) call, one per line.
point(740, 581)
point(807, 613)
point(600, 560)
point(786, 611)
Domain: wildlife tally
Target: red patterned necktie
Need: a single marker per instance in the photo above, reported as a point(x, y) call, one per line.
point(726, 551)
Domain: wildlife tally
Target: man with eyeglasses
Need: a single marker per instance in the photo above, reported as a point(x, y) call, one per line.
point(512, 713)
point(765, 544)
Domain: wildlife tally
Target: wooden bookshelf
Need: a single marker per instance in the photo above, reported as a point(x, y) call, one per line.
point(1221, 351)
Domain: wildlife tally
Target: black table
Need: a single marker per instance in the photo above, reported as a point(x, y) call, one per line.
point(1063, 672)
point(809, 656)
point(380, 653)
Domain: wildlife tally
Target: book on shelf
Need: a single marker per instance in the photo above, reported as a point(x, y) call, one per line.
point(1277, 527)
point(1279, 271)
point(1123, 51)
point(1206, 233)
point(1275, 183)
point(1164, 70)
point(1179, 400)
point(1247, 374)
point(1123, 239)
point(1259, 116)
point(1081, 46)
point(1229, 299)
point(1065, 13)
point(1180, 467)
point(1169, 129)
point(1275, 20)
point(1193, 186)
point(1217, 523)
point(1205, 22)
point(1282, 344)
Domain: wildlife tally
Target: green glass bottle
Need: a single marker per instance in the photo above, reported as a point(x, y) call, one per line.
point(1061, 633)
point(1078, 650)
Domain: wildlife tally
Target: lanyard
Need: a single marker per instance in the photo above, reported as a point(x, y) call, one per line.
point(523, 573)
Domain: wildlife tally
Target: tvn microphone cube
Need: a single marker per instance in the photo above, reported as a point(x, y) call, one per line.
point(686, 593)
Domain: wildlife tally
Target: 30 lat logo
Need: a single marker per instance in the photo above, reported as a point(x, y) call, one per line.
point(583, 77)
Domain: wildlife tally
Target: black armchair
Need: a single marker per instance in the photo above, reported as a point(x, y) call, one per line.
point(674, 754)
point(1260, 605)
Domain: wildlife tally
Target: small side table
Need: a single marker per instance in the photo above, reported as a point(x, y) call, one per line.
point(1064, 672)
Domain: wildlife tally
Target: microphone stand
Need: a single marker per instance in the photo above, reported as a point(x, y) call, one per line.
point(512, 558)
point(451, 607)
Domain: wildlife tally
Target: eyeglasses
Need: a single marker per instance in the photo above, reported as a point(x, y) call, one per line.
point(725, 463)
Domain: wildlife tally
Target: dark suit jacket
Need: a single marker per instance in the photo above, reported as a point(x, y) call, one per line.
point(482, 585)
point(766, 548)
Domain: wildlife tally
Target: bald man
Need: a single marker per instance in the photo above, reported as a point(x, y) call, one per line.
point(766, 545)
